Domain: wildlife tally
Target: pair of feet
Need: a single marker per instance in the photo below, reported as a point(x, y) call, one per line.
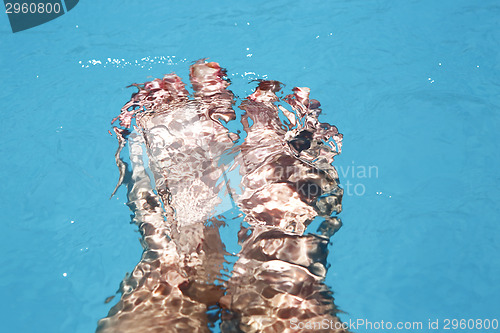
point(285, 180)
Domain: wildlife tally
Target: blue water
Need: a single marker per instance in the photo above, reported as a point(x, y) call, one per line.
point(414, 86)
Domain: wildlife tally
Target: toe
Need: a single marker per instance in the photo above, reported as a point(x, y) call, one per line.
point(210, 90)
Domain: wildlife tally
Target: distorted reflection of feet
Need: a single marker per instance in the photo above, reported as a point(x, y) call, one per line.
point(189, 176)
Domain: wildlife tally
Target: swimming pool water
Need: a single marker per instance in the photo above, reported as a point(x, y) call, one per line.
point(414, 87)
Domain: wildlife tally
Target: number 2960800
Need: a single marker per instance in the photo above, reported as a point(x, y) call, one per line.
point(32, 8)
point(463, 324)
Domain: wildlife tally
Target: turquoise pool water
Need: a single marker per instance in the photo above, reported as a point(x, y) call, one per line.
point(413, 86)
